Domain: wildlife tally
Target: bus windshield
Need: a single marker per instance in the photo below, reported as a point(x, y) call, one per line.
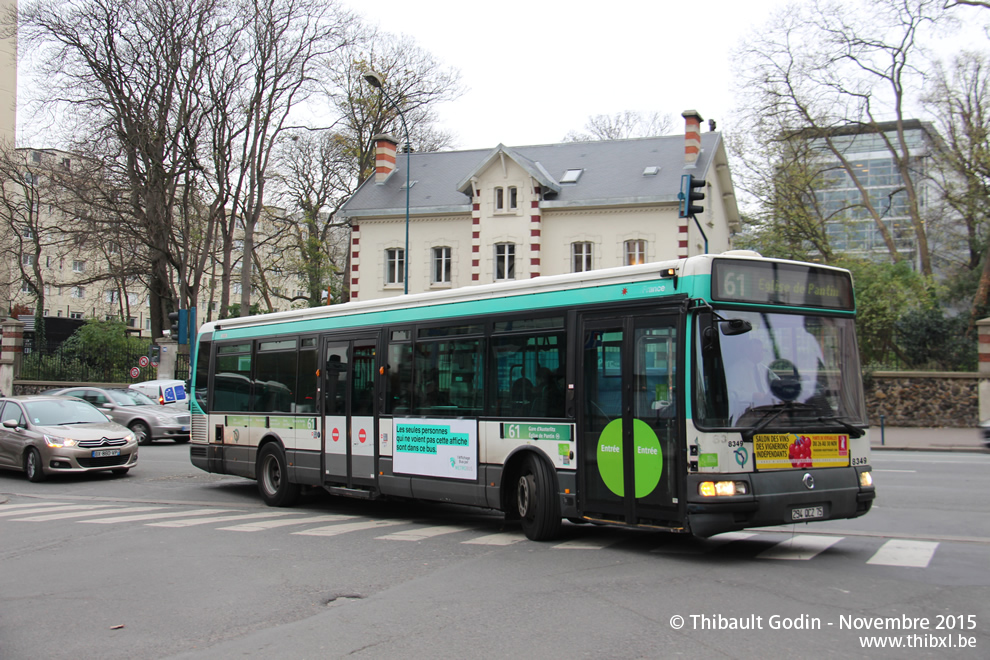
point(781, 372)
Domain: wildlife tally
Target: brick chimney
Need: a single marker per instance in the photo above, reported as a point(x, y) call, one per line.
point(385, 147)
point(692, 136)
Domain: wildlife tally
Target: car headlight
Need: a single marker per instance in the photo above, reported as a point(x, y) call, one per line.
point(58, 441)
point(129, 437)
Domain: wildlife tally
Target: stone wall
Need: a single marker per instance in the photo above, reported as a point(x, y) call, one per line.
point(923, 399)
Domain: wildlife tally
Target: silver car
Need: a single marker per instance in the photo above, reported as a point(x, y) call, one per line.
point(43, 435)
point(142, 415)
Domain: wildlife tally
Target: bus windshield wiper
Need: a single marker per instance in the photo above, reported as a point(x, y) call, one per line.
point(777, 411)
point(854, 431)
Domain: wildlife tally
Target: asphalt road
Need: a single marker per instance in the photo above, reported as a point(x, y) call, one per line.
point(174, 562)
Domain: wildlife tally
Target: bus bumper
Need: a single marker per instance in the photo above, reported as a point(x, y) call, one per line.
point(778, 497)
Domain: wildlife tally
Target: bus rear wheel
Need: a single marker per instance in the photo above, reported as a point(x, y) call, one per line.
point(273, 477)
point(536, 500)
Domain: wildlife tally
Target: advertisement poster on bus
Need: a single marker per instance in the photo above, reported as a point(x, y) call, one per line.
point(782, 451)
point(437, 448)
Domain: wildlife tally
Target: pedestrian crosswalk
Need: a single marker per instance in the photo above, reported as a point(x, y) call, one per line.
point(763, 544)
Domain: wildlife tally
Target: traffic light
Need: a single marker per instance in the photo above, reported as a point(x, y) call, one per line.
point(179, 328)
point(688, 195)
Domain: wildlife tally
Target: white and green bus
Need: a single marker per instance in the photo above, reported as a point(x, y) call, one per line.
point(701, 395)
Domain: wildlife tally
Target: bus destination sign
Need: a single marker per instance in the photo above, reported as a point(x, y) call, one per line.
point(773, 283)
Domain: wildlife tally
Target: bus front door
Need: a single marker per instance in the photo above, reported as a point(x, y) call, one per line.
point(348, 388)
point(630, 459)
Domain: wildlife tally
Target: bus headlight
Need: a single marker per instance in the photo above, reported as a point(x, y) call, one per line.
point(866, 479)
point(722, 488)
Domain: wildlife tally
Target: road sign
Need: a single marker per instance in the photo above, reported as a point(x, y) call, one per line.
point(135, 372)
point(143, 361)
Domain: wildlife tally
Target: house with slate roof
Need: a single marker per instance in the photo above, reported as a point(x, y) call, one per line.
point(483, 216)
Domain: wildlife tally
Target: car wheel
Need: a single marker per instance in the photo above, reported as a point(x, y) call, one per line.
point(273, 477)
point(141, 432)
point(539, 508)
point(33, 466)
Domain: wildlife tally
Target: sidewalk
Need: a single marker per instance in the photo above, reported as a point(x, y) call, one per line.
point(927, 439)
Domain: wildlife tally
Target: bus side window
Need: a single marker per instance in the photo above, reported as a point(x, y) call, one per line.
point(399, 384)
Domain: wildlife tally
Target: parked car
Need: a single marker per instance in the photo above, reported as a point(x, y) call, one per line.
point(148, 420)
point(985, 432)
point(166, 391)
point(43, 435)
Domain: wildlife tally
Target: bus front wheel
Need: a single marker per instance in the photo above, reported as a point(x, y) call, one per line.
point(273, 477)
point(536, 500)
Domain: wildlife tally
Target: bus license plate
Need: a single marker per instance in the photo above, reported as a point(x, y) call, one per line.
point(100, 453)
point(808, 513)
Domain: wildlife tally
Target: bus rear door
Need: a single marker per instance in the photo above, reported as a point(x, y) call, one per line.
point(347, 385)
point(630, 459)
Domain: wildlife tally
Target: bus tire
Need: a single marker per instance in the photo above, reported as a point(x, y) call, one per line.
point(273, 477)
point(536, 499)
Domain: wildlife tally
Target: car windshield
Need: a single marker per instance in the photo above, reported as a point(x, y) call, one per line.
point(56, 412)
point(130, 398)
point(787, 371)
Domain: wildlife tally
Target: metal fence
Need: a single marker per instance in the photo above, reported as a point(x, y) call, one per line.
point(54, 362)
point(182, 367)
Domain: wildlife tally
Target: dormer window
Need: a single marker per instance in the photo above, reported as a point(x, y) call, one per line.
point(499, 198)
point(571, 176)
point(506, 199)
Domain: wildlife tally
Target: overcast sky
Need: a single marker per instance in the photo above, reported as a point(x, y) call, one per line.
point(536, 69)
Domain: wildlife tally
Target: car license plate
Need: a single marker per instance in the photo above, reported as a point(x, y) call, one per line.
point(100, 453)
point(808, 513)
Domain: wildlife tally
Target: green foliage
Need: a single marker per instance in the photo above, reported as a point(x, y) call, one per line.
point(98, 351)
point(929, 339)
point(884, 293)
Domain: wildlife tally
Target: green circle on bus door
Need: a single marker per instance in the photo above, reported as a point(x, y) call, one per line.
point(647, 463)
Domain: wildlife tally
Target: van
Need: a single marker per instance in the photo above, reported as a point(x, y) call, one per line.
point(167, 392)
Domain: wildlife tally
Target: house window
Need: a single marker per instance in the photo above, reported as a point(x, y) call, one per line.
point(78, 266)
point(635, 252)
point(75, 315)
point(28, 233)
point(131, 322)
point(113, 296)
point(441, 265)
point(25, 287)
point(581, 257)
point(513, 197)
point(500, 199)
point(571, 176)
point(27, 259)
point(395, 266)
point(78, 292)
point(505, 261)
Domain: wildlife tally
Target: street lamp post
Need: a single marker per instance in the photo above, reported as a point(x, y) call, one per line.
point(376, 81)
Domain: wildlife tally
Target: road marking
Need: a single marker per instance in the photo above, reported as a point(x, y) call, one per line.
point(901, 552)
point(335, 530)
point(138, 517)
point(504, 538)
point(59, 507)
point(588, 544)
point(422, 533)
point(190, 522)
point(285, 522)
point(907, 471)
point(800, 547)
point(83, 514)
point(30, 505)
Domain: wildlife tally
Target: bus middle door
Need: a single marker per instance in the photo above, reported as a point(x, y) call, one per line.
point(348, 388)
point(628, 423)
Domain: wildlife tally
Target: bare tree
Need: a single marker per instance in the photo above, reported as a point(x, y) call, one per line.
point(960, 98)
point(824, 67)
point(131, 73)
point(412, 78)
point(317, 172)
point(622, 125)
